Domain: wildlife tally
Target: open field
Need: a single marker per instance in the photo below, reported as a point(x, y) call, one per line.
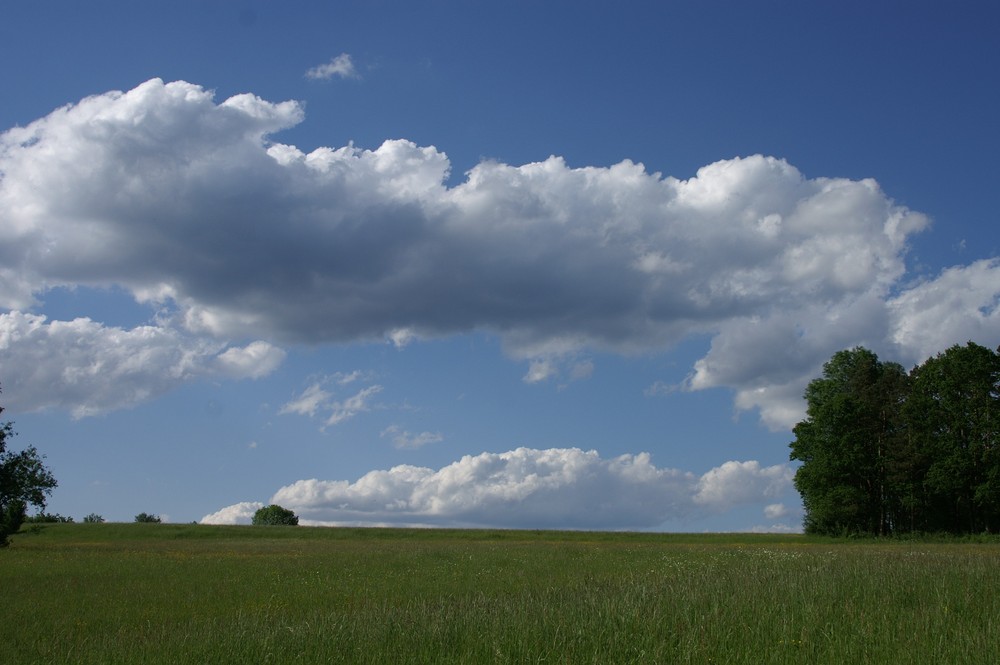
point(138, 593)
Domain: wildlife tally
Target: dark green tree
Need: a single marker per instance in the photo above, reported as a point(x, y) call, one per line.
point(145, 517)
point(954, 415)
point(24, 481)
point(852, 431)
point(93, 518)
point(275, 515)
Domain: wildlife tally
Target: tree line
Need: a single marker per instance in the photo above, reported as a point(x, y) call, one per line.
point(888, 452)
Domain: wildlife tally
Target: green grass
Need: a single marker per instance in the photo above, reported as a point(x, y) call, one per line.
point(138, 593)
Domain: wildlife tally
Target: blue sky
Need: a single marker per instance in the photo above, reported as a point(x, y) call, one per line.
point(515, 264)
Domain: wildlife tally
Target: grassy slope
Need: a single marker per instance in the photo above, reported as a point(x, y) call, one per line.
point(188, 593)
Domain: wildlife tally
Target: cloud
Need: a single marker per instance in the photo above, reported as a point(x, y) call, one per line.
point(738, 483)
point(240, 513)
point(528, 488)
point(581, 370)
point(256, 360)
point(341, 66)
point(316, 399)
point(353, 405)
point(403, 439)
point(306, 404)
point(190, 204)
point(558, 365)
point(660, 388)
point(88, 368)
point(401, 337)
point(350, 377)
point(962, 304)
point(776, 528)
point(540, 370)
point(776, 511)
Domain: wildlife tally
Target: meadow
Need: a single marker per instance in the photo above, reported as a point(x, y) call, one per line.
point(164, 593)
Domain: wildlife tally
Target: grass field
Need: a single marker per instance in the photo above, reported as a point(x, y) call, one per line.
point(160, 593)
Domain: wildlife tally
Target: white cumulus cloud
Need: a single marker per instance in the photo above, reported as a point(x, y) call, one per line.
point(960, 305)
point(88, 368)
point(737, 483)
point(255, 360)
point(239, 513)
point(529, 488)
point(187, 203)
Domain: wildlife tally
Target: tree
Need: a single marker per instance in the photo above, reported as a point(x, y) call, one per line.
point(93, 518)
point(144, 517)
point(853, 429)
point(275, 515)
point(885, 452)
point(954, 415)
point(24, 481)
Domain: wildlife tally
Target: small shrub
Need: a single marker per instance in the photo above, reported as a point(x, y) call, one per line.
point(143, 517)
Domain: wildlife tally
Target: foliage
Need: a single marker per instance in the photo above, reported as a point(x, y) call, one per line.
point(144, 517)
point(954, 412)
point(93, 518)
point(853, 423)
point(275, 515)
point(24, 481)
point(47, 518)
point(120, 593)
point(885, 452)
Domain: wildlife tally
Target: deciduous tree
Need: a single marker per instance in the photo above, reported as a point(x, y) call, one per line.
point(954, 413)
point(852, 430)
point(275, 515)
point(24, 481)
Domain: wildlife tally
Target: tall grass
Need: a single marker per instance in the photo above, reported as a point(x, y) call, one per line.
point(197, 594)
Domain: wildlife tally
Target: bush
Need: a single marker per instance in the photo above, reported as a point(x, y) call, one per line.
point(93, 518)
point(275, 515)
point(143, 517)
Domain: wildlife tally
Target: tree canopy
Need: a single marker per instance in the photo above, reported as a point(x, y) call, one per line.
point(275, 515)
point(885, 452)
point(24, 481)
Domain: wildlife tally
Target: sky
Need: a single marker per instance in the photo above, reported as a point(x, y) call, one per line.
point(477, 264)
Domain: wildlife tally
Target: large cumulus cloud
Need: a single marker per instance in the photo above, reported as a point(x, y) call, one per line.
point(190, 205)
point(528, 488)
point(87, 368)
